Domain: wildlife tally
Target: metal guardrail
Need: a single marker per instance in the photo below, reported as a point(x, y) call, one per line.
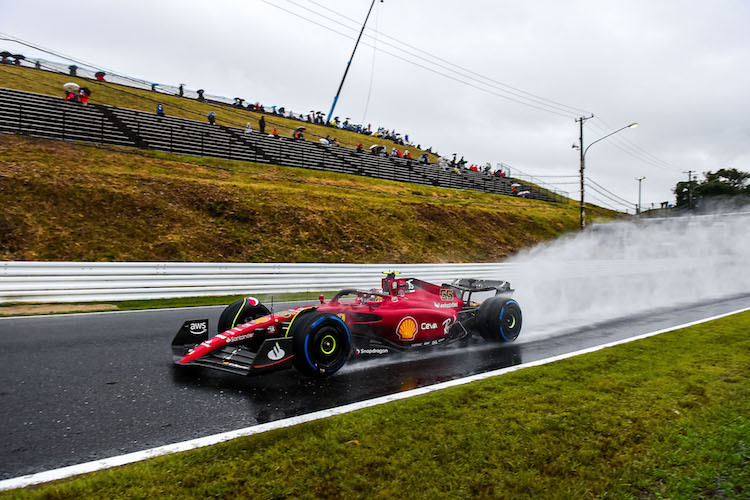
point(96, 281)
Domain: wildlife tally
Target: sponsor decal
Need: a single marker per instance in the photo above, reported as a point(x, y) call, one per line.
point(448, 323)
point(407, 328)
point(276, 353)
point(239, 338)
point(342, 316)
point(401, 293)
point(394, 299)
point(428, 326)
point(409, 286)
point(272, 329)
point(199, 327)
point(371, 351)
point(445, 306)
point(447, 294)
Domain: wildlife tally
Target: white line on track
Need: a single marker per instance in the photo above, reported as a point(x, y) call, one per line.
point(73, 470)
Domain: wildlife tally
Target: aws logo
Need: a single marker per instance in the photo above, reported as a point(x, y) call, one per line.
point(407, 329)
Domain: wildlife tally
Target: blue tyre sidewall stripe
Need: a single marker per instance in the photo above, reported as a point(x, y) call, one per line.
point(307, 339)
point(502, 312)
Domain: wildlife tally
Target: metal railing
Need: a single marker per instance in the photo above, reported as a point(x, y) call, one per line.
point(113, 281)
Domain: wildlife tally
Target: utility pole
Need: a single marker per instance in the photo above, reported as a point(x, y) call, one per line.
point(690, 189)
point(639, 179)
point(333, 106)
point(583, 166)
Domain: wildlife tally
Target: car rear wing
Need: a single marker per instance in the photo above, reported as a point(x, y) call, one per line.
point(470, 285)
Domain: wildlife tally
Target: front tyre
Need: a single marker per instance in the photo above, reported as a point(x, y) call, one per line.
point(322, 343)
point(499, 319)
point(240, 312)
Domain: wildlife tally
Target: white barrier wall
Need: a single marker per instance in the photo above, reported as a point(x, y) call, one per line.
point(95, 281)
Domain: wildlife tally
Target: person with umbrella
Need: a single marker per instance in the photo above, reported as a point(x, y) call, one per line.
point(160, 109)
point(71, 91)
point(211, 117)
point(298, 133)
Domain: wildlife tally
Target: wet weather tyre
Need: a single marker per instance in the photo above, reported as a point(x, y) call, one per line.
point(322, 343)
point(499, 319)
point(241, 312)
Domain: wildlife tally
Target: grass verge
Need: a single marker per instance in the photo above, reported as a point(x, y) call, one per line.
point(131, 305)
point(665, 416)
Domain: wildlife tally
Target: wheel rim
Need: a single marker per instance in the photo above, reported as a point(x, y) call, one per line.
point(510, 322)
point(328, 345)
point(325, 348)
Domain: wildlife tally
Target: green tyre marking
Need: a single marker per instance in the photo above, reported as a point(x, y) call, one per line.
point(323, 344)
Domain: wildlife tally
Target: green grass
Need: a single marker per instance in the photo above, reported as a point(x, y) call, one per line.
point(130, 305)
point(64, 201)
point(663, 417)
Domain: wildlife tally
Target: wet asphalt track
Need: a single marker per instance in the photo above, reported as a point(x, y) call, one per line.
point(76, 388)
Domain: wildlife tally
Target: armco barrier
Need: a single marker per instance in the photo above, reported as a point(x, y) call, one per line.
point(113, 281)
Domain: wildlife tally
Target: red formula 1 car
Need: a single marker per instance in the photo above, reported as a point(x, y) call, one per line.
point(406, 313)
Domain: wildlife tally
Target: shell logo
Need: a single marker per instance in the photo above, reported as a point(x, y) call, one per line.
point(407, 329)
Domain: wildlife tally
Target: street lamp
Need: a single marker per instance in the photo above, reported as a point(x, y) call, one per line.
point(639, 179)
point(583, 156)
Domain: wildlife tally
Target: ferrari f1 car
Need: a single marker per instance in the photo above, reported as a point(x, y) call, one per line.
point(405, 314)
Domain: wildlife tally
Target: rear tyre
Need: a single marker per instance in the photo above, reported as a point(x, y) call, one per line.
point(322, 343)
point(499, 319)
point(240, 312)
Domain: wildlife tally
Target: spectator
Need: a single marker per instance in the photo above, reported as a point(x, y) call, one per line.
point(407, 155)
point(100, 75)
point(83, 96)
point(200, 95)
point(424, 158)
point(211, 117)
point(393, 152)
point(181, 90)
point(160, 109)
point(399, 153)
point(153, 87)
point(360, 148)
point(275, 133)
point(248, 128)
point(262, 125)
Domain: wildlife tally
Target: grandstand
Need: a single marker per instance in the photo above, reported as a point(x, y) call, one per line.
point(46, 116)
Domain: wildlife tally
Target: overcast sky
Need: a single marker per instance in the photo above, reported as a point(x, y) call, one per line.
point(678, 68)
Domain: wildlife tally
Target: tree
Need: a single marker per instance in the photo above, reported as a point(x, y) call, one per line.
point(725, 182)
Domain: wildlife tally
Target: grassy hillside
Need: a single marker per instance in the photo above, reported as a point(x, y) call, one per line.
point(45, 82)
point(64, 201)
